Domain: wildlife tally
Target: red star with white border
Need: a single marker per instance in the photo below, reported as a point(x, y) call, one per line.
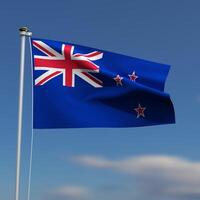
point(140, 111)
point(133, 76)
point(118, 80)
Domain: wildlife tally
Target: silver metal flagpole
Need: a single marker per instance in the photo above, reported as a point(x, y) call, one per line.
point(23, 33)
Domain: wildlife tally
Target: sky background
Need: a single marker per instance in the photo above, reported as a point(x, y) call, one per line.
point(160, 162)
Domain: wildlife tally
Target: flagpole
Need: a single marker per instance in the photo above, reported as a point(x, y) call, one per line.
point(23, 33)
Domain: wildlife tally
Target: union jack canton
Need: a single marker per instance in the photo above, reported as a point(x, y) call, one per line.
point(66, 63)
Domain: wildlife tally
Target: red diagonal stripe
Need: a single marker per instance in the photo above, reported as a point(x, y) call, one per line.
point(93, 78)
point(89, 55)
point(43, 49)
point(48, 77)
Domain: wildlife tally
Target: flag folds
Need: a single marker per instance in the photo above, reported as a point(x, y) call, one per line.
point(79, 87)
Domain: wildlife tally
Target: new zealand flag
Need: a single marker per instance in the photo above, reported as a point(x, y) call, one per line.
point(79, 87)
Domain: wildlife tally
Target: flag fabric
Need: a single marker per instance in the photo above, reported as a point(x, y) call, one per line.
point(79, 87)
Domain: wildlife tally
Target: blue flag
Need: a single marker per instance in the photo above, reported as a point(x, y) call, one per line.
point(77, 86)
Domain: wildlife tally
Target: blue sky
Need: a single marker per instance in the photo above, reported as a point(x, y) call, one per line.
point(154, 162)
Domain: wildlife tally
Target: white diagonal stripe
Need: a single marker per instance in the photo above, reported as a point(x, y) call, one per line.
point(48, 48)
point(85, 78)
point(46, 74)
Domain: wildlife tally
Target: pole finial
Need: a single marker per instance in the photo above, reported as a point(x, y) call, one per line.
point(25, 31)
point(24, 28)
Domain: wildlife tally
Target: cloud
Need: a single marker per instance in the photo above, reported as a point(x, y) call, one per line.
point(93, 161)
point(157, 176)
point(71, 192)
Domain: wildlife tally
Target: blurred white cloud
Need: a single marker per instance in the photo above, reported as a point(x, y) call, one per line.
point(157, 176)
point(71, 192)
